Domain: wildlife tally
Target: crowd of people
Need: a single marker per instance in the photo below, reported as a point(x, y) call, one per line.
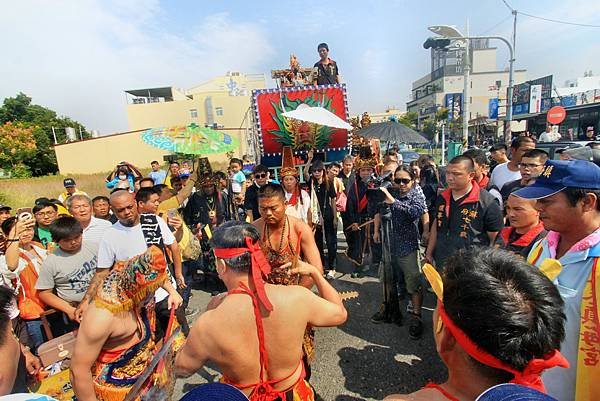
point(508, 243)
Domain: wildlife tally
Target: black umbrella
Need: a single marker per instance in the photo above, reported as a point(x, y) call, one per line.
point(392, 131)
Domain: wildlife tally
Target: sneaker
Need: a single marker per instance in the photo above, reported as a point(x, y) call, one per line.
point(381, 316)
point(190, 311)
point(415, 329)
point(330, 275)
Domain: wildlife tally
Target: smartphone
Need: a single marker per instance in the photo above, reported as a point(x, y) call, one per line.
point(171, 213)
point(24, 213)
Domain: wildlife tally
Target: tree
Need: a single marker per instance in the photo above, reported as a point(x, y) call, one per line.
point(19, 109)
point(409, 119)
point(17, 144)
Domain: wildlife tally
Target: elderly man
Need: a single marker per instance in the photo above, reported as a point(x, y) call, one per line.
point(267, 364)
point(80, 207)
point(513, 341)
point(568, 199)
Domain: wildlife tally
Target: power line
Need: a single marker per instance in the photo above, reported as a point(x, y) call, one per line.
point(498, 24)
point(508, 5)
point(559, 21)
point(548, 19)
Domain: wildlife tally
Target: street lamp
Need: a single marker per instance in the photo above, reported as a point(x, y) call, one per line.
point(450, 32)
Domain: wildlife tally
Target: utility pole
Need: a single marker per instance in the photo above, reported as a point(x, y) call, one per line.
point(466, 70)
point(509, 92)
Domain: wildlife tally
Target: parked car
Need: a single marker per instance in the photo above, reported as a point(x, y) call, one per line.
point(552, 147)
point(408, 156)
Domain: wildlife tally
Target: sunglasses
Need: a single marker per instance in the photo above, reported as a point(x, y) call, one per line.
point(404, 181)
point(261, 175)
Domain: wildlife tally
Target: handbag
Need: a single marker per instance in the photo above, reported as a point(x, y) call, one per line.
point(192, 249)
point(340, 202)
point(57, 349)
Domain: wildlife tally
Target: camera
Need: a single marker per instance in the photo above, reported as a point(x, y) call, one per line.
point(374, 184)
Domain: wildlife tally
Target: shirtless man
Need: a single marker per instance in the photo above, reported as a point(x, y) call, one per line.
point(225, 333)
point(279, 237)
point(115, 342)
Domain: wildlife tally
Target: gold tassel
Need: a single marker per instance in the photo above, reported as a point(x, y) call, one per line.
point(129, 304)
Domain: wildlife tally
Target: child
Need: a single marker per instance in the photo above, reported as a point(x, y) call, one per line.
point(238, 179)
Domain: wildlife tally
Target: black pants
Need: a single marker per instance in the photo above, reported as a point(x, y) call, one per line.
point(162, 318)
point(330, 236)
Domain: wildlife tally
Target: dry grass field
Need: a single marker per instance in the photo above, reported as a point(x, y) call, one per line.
point(23, 192)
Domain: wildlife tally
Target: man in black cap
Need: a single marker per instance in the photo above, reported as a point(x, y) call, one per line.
point(70, 189)
point(326, 69)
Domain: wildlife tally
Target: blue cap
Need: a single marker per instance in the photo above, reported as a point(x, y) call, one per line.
point(560, 174)
point(215, 392)
point(513, 392)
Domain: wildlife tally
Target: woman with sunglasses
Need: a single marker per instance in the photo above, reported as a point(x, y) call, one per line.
point(407, 204)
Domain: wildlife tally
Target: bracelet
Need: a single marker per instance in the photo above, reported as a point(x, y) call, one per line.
point(12, 240)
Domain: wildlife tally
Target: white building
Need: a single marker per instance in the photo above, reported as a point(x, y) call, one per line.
point(443, 86)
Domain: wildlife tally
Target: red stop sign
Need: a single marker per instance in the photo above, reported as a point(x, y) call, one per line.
point(556, 115)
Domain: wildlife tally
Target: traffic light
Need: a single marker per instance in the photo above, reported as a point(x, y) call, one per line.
point(436, 43)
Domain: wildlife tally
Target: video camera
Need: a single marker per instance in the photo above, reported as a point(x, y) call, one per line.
point(374, 194)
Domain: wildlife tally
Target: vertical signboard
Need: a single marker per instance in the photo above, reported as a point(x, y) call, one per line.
point(535, 99)
point(453, 102)
point(493, 109)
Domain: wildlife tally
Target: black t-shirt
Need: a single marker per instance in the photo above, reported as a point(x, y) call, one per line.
point(251, 201)
point(324, 196)
point(509, 188)
point(327, 73)
point(466, 225)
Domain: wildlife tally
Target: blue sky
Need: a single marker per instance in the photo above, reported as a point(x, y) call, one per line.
point(77, 57)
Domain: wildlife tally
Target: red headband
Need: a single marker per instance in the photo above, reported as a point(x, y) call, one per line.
point(529, 376)
point(260, 267)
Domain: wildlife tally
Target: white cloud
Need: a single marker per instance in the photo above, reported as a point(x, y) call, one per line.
point(77, 57)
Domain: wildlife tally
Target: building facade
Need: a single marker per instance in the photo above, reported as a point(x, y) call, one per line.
point(221, 102)
point(579, 98)
point(443, 85)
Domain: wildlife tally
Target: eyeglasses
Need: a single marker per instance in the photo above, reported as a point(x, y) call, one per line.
point(404, 181)
point(262, 175)
point(529, 165)
point(319, 170)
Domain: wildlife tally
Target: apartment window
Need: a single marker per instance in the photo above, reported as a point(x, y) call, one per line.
point(219, 111)
point(194, 113)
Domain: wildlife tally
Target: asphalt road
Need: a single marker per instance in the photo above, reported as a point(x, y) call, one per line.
point(358, 360)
